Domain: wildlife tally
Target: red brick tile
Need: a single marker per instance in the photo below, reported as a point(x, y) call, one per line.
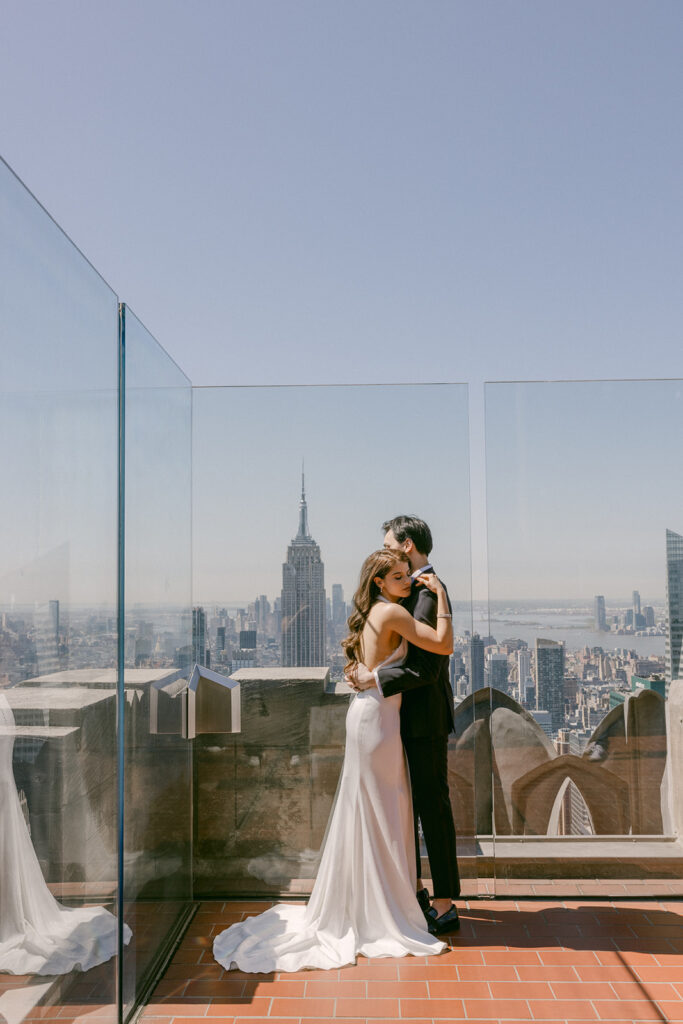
point(508, 1009)
point(632, 1009)
point(190, 1008)
point(582, 990)
point(672, 1011)
point(302, 1008)
point(239, 1008)
point(437, 1009)
point(212, 988)
point(604, 972)
point(651, 990)
point(309, 975)
point(326, 1020)
point(403, 989)
point(658, 931)
point(284, 986)
point(546, 972)
point(521, 990)
point(489, 973)
point(625, 956)
point(668, 958)
point(460, 955)
point(459, 990)
point(337, 1020)
point(368, 1008)
point(192, 1020)
point(259, 1020)
point(670, 972)
point(513, 957)
point(564, 1009)
point(334, 989)
point(421, 972)
point(370, 972)
point(573, 957)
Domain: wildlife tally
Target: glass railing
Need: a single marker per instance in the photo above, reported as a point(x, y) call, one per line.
point(279, 474)
point(172, 707)
point(95, 629)
point(156, 642)
point(58, 627)
point(585, 564)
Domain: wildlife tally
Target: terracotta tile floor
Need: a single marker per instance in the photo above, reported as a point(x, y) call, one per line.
point(513, 960)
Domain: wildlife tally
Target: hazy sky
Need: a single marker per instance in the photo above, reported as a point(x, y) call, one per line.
point(355, 192)
point(370, 453)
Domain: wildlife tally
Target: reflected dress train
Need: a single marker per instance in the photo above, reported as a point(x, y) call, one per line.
point(363, 899)
point(37, 934)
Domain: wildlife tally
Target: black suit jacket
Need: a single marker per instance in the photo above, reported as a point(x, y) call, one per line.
point(422, 677)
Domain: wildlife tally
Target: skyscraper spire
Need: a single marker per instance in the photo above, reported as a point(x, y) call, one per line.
point(303, 509)
point(302, 604)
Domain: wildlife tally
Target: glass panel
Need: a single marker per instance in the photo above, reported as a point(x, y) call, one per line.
point(585, 525)
point(263, 795)
point(157, 884)
point(58, 624)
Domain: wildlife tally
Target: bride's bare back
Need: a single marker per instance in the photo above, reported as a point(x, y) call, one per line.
point(378, 640)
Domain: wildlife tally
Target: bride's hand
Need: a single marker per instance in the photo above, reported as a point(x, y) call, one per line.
point(431, 581)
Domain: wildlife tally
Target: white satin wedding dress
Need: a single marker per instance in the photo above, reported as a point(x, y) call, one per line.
point(363, 900)
point(37, 934)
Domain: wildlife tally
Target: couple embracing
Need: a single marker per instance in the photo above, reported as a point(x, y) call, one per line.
point(368, 898)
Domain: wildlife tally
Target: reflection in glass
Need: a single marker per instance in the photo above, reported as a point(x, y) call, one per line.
point(37, 934)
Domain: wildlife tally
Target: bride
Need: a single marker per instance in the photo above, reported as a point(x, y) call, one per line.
point(363, 899)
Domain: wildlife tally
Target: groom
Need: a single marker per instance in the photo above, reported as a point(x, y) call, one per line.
point(426, 720)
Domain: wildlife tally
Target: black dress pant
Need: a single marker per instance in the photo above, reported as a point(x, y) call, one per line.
point(428, 764)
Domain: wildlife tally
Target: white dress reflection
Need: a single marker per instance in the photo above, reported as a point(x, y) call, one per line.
point(37, 934)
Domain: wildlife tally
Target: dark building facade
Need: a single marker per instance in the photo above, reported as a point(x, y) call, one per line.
point(550, 680)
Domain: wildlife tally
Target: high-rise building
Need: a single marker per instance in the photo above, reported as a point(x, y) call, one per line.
point(523, 672)
point(550, 680)
point(338, 605)
point(303, 597)
point(497, 671)
point(674, 604)
point(475, 663)
point(600, 617)
point(636, 605)
point(199, 636)
point(649, 613)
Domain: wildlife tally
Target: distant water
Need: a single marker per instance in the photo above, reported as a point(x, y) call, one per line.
point(574, 630)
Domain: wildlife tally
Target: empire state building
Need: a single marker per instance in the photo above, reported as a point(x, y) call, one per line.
point(303, 597)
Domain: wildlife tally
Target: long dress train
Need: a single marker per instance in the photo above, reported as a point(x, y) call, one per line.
point(363, 900)
point(37, 934)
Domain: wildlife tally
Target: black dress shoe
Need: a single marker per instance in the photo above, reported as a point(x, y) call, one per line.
point(446, 923)
point(423, 900)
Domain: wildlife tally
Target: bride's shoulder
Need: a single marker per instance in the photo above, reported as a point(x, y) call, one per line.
point(382, 611)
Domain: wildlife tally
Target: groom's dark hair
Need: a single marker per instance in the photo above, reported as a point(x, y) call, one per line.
point(410, 528)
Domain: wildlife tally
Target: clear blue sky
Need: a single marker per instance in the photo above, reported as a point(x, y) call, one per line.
point(368, 190)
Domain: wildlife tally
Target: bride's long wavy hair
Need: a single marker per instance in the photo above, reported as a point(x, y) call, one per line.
point(379, 563)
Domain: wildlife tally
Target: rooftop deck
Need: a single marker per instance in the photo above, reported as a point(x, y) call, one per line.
point(571, 960)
